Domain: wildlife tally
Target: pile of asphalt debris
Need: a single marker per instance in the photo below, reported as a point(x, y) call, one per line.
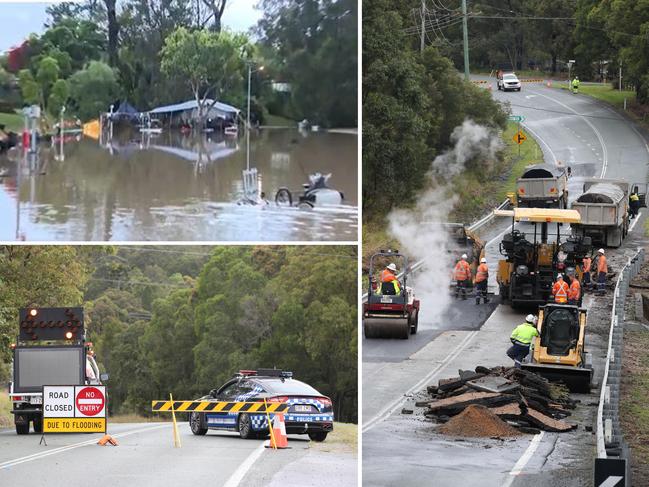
point(516, 397)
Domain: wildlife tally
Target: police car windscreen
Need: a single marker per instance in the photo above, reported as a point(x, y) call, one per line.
point(290, 387)
point(56, 366)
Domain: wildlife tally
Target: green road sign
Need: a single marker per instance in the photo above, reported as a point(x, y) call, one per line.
point(517, 118)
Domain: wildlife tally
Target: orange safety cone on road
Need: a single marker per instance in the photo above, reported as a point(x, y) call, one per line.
point(278, 438)
point(107, 439)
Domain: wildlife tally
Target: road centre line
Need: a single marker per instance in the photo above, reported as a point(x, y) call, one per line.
point(37, 456)
point(385, 412)
point(522, 461)
point(241, 471)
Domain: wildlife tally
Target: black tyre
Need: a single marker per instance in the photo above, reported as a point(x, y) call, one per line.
point(283, 197)
point(195, 424)
point(305, 205)
point(22, 429)
point(318, 436)
point(38, 425)
point(414, 323)
point(244, 425)
point(405, 332)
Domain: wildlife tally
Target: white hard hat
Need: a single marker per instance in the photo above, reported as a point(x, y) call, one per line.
point(464, 256)
point(559, 276)
point(601, 251)
point(530, 318)
point(483, 260)
point(392, 267)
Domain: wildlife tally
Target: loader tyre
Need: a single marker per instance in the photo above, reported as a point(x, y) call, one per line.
point(22, 429)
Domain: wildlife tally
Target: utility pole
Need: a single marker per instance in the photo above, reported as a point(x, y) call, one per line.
point(465, 35)
point(620, 85)
point(423, 24)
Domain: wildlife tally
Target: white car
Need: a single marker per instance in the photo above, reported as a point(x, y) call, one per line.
point(509, 81)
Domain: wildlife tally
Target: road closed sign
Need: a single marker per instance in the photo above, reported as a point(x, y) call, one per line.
point(74, 409)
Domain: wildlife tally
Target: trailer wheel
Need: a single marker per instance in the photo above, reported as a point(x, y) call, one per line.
point(22, 429)
point(38, 425)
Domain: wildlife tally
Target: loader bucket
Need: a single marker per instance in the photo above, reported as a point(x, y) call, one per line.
point(577, 379)
point(386, 327)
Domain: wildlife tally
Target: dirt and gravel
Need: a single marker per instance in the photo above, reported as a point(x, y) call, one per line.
point(478, 421)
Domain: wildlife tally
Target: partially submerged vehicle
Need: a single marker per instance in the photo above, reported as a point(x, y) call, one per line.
point(389, 312)
point(558, 354)
point(542, 186)
point(315, 193)
point(531, 263)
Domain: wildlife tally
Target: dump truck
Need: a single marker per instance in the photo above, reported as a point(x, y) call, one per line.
point(558, 353)
point(542, 186)
point(532, 261)
point(50, 350)
point(390, 312)
point(604, 210)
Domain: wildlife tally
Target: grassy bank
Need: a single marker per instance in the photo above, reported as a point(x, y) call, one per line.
point(6, 418)
point(478, 191)
point(634, 414)
point(278, 121)
point(344, 437)
point(605, 93)
point(12, 121)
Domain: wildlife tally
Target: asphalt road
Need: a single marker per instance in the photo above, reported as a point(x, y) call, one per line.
point(595, 141)
point(146, 456)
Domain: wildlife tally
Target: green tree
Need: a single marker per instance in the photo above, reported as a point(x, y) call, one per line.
point(58, 97)
point(93, 89)
point(28, 87)
point(210, 63)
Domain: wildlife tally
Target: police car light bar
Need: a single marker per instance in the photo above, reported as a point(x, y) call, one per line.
point(267, 372)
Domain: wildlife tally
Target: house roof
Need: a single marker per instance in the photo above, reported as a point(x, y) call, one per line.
point(192, 104)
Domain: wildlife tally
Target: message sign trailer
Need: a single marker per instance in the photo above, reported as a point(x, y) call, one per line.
point(74, 409)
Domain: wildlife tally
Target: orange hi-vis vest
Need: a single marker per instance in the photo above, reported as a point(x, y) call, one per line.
point(462, 271)
point(482, 274)
point(586, 264)
point(575, 290)
point(601, 264)
point(560, 291)
point(387, 276)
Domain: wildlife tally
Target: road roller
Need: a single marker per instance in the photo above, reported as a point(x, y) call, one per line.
point(391, 310)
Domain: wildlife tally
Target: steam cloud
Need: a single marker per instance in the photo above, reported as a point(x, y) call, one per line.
point(416, 228)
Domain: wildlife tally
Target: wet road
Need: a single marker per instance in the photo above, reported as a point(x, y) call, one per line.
point(174, 188)
point(596, 142)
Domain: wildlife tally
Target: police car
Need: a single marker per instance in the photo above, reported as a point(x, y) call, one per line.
point(309, 412)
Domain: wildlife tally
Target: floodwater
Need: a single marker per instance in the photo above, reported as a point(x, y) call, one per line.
point(169, 187)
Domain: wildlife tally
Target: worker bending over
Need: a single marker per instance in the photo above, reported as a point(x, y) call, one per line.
point(521, 339)
point(462, 276)
point(389, 280)
point(602, 270)
point(560, 290)
point(481, 280)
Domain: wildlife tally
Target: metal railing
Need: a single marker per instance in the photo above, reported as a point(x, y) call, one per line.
point(473, 227)
point(609, 433)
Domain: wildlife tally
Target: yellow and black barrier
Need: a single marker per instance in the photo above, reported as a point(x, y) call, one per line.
point(217, 407)
point(532, 81)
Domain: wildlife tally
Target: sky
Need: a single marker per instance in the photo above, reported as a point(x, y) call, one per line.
point(19, 19)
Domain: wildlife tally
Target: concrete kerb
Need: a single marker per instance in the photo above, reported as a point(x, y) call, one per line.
point(610, 442)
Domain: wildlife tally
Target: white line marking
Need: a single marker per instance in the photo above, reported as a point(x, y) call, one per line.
point(538, 137)
point(241, 471)
point(387, 410)
point(522, 461)
point(37, 456)
point(637, 217)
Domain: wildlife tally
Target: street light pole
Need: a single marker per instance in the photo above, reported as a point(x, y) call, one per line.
point(248, 118)
point(465, 38)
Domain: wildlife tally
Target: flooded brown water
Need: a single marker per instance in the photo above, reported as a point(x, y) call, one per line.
point(174, 188)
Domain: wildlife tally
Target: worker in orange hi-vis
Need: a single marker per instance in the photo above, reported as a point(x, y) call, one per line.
point(574, 293)
point(560, 290)
point(602, 270)
point(462, 276)
point(389, 275)
point(586, 265)
point(481, 280)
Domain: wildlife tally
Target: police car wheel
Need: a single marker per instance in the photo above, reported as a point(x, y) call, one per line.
point(195, 424)
point(244, 425)
point(318, 436)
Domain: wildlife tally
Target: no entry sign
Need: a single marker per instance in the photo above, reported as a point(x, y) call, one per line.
point(74, 409)
point(90, 401)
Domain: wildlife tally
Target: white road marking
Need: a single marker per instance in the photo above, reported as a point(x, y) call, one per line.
point(387, 410)
point(538, 137)
point(241, 471)
point(522, 461)
point(37, 456)
point(637, 217)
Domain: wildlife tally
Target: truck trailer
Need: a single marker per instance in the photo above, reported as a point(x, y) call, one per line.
point(542, 186)
point(50, 350)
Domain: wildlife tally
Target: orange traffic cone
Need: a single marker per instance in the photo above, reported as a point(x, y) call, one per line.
point(278, 438)
point(107, 439)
